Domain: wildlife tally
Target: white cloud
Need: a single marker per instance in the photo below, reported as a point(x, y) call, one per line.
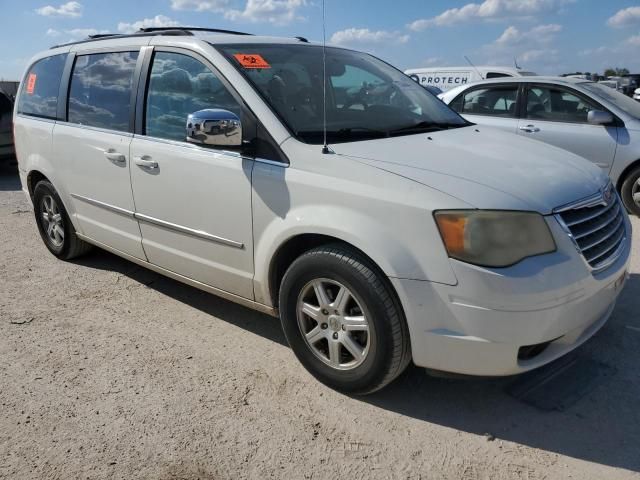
point(157, 21)
point(69, 9)
point(278, 12)
point(364, 36)
point(199, 5)
point(537, 35)
point(634, 41)
point(52, 32)
point(489, 10)
point(625, 17)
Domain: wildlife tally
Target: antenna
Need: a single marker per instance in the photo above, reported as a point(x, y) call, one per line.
point(325, 147)
point(474, 67)
point(515, 62)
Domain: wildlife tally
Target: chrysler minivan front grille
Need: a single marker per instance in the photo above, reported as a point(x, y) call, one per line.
point(597, 228)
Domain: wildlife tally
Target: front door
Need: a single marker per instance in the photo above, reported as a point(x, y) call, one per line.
point(558, 116)
point(193, 202)
point(92, 149)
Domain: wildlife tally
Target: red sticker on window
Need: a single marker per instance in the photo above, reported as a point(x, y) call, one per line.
point(31, 83)
point(251, 60)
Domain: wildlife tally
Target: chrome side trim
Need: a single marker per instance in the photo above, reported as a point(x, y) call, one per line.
point(191, 146)
point(160, 223)
point(95, 129)
point(271, 162)
point(180, 278)
point(106, 206)
point(189, 231)
point(32, 117)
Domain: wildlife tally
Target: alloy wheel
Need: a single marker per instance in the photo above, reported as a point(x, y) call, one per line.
point(333, 324)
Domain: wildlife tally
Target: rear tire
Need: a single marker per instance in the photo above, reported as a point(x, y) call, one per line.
point(343, 321)
point(630, 188)
point(53, 222)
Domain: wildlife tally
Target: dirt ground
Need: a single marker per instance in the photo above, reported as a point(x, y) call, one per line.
point(111, 371)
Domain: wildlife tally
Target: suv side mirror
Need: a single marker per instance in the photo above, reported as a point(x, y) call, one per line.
point(214, 127)
point(599, 117)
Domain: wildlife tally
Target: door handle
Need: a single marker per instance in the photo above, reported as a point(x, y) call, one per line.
point(145, 162)
point(529, 128)
point(115, 157)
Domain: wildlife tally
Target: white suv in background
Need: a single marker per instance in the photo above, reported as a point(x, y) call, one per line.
point(583, 117)
point(412, 236)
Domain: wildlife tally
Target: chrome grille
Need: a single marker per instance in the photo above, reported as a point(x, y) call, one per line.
point(597, 228)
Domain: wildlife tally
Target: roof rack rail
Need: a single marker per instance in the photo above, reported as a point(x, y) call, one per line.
point(192, 29)
point(151, 31)
point(103, 35)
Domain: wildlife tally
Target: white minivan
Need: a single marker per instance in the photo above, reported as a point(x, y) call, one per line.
point(408, 235)
point(446, 78)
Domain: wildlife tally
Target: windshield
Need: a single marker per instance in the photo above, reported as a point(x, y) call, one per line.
point(366, 98)
point(624, 103)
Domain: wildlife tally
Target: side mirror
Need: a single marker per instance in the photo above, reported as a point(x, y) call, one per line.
point(599, 117)
point(214, 127)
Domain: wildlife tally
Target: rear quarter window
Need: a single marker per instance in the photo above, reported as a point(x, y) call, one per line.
point(39, 93)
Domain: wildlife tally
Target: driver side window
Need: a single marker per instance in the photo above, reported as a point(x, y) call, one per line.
point(178, 86)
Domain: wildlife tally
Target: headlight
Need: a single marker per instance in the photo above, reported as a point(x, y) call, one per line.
point(493, 238)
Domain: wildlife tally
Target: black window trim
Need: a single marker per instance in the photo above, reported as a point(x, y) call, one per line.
point(251, 119)
point(484, 86)
point(617, 121)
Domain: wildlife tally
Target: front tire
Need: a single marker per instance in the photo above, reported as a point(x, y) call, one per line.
point(343, 320)
point(630, 192)
point(53, 222)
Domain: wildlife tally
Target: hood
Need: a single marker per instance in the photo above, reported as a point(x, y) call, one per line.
point(484, 167)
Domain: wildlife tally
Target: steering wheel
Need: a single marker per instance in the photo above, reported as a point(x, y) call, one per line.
point(357, 99)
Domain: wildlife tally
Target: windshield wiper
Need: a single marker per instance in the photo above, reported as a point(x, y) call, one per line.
point(350, 130)
point(426, 126)
point(345, 133)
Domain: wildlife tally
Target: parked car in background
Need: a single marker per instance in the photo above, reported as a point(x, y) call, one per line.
point(410, 234)
point(586, 118)
point(636, 94)
point(446, 78)
point(7, 151)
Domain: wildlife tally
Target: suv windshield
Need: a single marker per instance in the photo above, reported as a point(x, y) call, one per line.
point(366, 98)
point(624, 103)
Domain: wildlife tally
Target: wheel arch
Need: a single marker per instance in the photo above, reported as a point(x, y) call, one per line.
point(295, 246)
point(33, 177)
point(628, 169)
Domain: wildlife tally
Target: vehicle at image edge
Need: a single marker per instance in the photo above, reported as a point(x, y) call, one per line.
point(585, 118)
point(414, 235)
point(636, 94)
point(446, 78)
point(7, 152)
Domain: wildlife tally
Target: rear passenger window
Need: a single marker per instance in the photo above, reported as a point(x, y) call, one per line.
point(494, 101)
point(100, 93)
point(178, 86)
point(39, 96)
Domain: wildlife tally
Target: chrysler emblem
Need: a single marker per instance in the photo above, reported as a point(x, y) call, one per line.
point(607, 195)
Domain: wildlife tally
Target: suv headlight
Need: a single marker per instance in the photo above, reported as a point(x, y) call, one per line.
point(493, 238)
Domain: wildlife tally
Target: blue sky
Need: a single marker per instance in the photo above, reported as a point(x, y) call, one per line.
point(547, 36)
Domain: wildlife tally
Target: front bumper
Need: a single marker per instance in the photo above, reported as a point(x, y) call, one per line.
point(480, 325)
